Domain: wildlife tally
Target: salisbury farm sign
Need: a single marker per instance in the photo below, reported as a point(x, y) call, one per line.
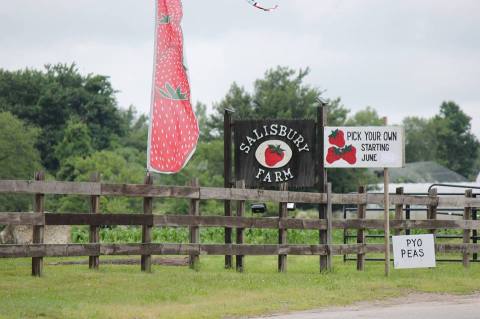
point(271, 152)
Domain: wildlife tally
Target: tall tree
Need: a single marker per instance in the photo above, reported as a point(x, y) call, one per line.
point(76, 141)
point(19, 158)
point(457, 147)
point(281, 93)
point(446, 138)
point(49, 99)
point(365, 117)
point(420, 140)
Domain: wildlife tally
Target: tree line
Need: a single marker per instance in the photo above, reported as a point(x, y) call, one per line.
point(71, 125)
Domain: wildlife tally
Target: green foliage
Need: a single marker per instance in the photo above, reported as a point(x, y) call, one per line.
point(348, 180)
point(420, 140)
point(211, 235)
point(119, 166)
point(202, 118)
point(366, 117)
point(19, 158)
point(49, 99)
point(457, 147)
point(446, 138)
point(281, 94)
point(76, 142)
point(79, 129)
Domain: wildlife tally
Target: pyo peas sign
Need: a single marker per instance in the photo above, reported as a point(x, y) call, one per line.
point(271, 152)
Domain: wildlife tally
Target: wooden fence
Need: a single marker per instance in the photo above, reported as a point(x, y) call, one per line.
point(93, 190)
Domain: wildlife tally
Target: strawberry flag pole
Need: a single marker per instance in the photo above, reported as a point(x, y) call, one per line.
point(173, 131)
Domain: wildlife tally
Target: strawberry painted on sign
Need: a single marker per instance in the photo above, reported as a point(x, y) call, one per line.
point(355, 147)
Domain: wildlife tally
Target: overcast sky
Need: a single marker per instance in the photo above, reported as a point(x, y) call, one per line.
point(402, 57)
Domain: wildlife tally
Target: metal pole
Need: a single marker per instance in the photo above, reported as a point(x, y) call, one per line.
point(386, 215)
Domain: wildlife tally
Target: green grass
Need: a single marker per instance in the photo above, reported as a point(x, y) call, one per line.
point(212, 292)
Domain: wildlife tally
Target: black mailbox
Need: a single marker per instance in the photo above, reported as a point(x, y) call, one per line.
point(259, 208)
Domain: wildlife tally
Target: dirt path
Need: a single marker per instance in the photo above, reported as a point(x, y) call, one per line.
point(417, 306)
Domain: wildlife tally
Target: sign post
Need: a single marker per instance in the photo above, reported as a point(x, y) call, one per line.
point(367, 147)
point(386, 213)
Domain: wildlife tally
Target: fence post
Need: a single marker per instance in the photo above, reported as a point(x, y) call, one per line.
point(38, 230)
point(194, 231)
point(227, 176)
point(467, 214)
point(322, 115)
point(398, 210)
point(94, 233)
point(146, 260)
point(407, 217)
point(432, 209)
point(240, 213)
point(282, 232)
point(329, 227)
point(474, 232)
point(361, 214)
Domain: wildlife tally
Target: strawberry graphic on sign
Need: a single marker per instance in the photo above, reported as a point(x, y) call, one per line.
point(339, 150)
point(337, 138)
point(274, 154)
point(334, 154)
point(349, 154)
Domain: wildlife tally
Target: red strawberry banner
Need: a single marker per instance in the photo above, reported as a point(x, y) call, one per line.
point(173, 131)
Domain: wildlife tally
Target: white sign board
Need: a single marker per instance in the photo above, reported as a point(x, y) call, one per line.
point(414, 251)
point(366, 146)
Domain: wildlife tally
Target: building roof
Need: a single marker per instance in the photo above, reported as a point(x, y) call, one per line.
point(425, 172)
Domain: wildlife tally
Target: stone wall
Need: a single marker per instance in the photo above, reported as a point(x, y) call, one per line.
point(23, 235)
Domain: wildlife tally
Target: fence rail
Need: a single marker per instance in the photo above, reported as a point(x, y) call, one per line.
point(234, 194)
point(93, 190)
point(222, 221)
point(76, 250)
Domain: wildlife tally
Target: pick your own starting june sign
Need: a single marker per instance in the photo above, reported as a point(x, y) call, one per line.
point(414, 251)
point(372, 146)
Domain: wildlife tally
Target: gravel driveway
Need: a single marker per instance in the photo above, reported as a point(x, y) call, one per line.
point(417, 306)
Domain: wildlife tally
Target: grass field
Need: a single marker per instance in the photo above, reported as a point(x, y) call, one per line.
point(212, 292)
